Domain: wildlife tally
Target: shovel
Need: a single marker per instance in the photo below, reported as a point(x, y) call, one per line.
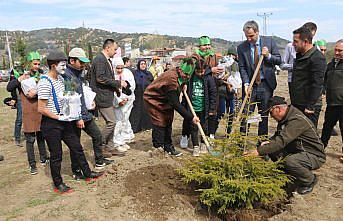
point(247, 96)
point(208, 146)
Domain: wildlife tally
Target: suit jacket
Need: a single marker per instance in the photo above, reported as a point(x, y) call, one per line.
point(246, 64)
point(102, 81)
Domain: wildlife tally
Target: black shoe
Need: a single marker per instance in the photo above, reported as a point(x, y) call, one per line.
point(172, 151)
point(307, 189)
point(94, 175)
point(18, 144)
point(44, 162)
point(33, 170)
point(102, 163)
point(1, 158)
point(334, 132)
point(77, 175)
point(63, 188)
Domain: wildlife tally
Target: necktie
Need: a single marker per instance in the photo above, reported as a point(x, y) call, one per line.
point(258, 77)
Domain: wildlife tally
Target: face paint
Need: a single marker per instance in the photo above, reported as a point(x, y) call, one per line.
point(61, 67)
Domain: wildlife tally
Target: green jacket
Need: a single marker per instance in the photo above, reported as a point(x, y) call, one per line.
point(334, 83)
point(295, 133)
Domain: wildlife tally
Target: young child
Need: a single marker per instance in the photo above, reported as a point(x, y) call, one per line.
point(202, 92)
point(123, 103)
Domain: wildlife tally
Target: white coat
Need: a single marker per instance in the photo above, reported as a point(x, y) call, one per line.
point(123, 131)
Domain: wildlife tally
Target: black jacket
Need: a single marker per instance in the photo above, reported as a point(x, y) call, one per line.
point(307, 78)
point(296, 133)
point(334, 83)
point(210, 92)
point(102, 81)
point(74, 76)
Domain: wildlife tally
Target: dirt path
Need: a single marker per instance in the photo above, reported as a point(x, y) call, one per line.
point(138, 187)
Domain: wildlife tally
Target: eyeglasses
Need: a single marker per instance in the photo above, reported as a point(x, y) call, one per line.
point(143, 64)
point(36, 63)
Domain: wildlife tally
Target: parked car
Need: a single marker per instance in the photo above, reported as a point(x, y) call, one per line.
point(4, 75)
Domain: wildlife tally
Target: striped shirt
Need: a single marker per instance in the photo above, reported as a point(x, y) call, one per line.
point(45, 92)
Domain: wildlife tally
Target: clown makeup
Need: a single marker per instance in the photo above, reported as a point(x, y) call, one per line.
point(61, 67)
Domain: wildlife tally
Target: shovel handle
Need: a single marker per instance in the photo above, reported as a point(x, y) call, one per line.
point(198, 124)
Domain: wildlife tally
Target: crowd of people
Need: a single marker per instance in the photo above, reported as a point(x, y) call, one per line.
point(56, 105)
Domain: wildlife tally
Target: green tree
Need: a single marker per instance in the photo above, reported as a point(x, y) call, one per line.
point(20, 48)
point(4, 65)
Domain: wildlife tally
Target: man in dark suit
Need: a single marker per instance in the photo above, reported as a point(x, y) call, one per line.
point(248, 55)
point(103, 83)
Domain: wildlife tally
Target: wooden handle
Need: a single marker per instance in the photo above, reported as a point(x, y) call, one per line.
point(239, 115)
point(194, 115)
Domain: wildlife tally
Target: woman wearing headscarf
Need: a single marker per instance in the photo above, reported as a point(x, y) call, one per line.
point(139, 118)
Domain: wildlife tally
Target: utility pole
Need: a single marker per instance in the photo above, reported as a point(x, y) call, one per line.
point(264, 15)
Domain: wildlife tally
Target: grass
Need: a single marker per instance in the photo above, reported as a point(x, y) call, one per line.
point(13, 214)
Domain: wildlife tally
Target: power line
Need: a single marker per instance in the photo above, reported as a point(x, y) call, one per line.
point(264, 15)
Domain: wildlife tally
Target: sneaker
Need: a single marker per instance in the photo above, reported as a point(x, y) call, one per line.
point(44, 162)
point(33, 170)
point(184, 142)
point(171, 151)
point(77, 175)
point(212, 136)
point(102, 163)
point(121, 148)
point(334, 132)
point(94, 175)
point(307, 189)
point(196, 151)
point(130, 140)
point(203, 148)
point(127, 147)
point(18, 144)
point(63, 188)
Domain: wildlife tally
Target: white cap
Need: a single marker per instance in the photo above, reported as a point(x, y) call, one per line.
point(79, 53)
point(117, 61)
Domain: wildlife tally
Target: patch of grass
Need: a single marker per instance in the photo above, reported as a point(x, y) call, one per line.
point(13, 214)
point(36, 202)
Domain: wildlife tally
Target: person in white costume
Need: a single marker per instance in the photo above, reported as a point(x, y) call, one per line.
point(123, 104)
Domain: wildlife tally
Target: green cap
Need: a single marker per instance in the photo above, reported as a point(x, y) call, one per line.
point(187, 66)
point(204, 40)
point(320, 43)
point(33, 55)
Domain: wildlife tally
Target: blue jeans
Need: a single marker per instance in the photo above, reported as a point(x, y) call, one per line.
point(18, 121)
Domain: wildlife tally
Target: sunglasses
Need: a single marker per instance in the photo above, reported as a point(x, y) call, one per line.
point(323, 50)
point(36, 63)
point(119, 68)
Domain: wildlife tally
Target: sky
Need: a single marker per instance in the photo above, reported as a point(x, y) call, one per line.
point(215, 18)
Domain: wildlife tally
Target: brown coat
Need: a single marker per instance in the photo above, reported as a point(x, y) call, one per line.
point(156, 100)
point(31, 117)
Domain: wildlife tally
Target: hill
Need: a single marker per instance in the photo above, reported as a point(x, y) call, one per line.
point(45, 39)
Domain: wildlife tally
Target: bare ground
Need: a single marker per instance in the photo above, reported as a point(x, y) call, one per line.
point(140, 186)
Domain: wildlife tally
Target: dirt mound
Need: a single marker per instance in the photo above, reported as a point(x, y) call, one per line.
point(159, 191)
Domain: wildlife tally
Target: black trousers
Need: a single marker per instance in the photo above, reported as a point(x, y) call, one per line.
point(191, 129)
point(162, 136)
point(94, 132)
point(332, 115)
point(30, 140)
point(54, 132)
